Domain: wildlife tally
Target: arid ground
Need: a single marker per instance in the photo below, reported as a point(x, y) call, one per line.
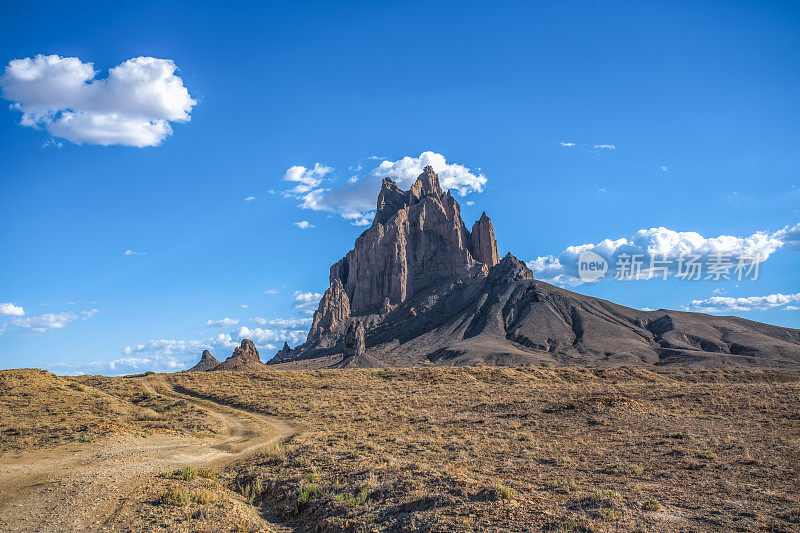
point(428, 449)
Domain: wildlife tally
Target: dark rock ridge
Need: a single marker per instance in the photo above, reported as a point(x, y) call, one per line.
point(424, 289)
point(207, 362)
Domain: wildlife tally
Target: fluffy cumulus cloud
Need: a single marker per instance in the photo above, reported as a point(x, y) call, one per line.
point(134, 105)
point(49, 321)
point(133, 252)
point(717, 304)
point(659, 244)
point(306, 179)
point(9, 309)
point(306, 302)
point(354, 200)
point(222, 323)
point(304, 224)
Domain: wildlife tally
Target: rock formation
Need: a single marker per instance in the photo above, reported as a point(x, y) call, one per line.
point(417, 239)
point(483, 245)
point(207, 362)
point(354, 341)
point(244, 358)
point(418, 287)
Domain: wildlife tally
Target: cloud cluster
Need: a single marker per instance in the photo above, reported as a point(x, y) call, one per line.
point(659, 243)
point(119, 367)
point(133, 106)
point(306, 302)
point(355, 200)
point(47, 321)
point(717, 304)
point(9, 309)
point(304, 224)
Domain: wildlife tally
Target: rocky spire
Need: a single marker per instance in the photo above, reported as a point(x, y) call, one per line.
point(354, 340)
point(483, 245)
point(245, 357)
point(207, 362)
point(427, 183)
point(417, 239)
point(334, 308)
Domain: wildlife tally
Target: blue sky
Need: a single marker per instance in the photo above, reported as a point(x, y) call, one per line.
point(587, 120)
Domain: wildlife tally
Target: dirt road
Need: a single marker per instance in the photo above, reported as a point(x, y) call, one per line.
point(81, 487)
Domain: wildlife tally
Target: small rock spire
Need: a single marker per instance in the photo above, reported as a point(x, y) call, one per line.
point(483, 245)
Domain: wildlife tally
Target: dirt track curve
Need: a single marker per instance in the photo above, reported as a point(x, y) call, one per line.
point(81, 487)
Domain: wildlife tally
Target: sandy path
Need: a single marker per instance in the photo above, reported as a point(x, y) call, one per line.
point(78, 487)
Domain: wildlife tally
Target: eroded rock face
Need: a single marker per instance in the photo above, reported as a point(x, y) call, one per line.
point(416, 239)
point(245, 357)
point(354, 340)
point(483, 245)
point(207, 362)
point(330, 316)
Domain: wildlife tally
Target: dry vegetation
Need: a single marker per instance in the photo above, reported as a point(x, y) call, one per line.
point(463, 449)
point(39, 409)
point(523, 449)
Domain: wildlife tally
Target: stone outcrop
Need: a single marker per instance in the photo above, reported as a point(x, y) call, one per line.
point(245, 357)
point(417, 239)
point(419, 288)
point(483, 245)
point(207, 362)
point(354, 346)
point(284, 354)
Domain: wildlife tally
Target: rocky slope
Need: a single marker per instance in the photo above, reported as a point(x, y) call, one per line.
point(418, 287)
point(207, 362)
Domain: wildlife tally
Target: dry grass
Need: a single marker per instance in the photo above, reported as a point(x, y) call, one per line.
point(461, 449)
point(39, 409)
point(524, 449)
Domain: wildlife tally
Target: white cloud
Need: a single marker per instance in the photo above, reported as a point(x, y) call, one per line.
point(604, 147)
point(133, 106)
point(470, 203)
point(749, 303)
point(269, 338)
point(307, 302)
point(355, 200)
point(222, 323)
point(133, 252)
point(664, 168)
point(122, 366)
point(567, 144)
point(271, 291)
point(790, 235)
point(9, 309)
point(244, 306)
point(285, 323)
point(306, 179)
point(250, 199)
point(657, 243)
point(46, 322)
point(304, 224)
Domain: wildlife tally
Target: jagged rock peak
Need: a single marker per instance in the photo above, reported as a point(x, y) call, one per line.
point(483, 245)
point(246, 351)
point(427, 183)
point(207, 362)
point(354, 340)
point(334, 308)
point(391, 199)
point(509, 269)
point(286, 347)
